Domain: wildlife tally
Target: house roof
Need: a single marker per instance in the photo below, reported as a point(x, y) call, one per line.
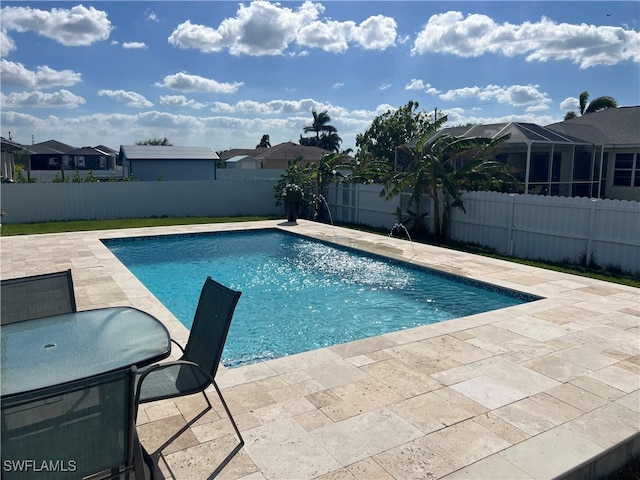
point(38, 149)
point(86, 151)
point(106, 150)
point(239, 158)
point(50, 146)
point(154, 152)
point(519, 133)
point(9, 145)
point(286, 150)
point(612, 126)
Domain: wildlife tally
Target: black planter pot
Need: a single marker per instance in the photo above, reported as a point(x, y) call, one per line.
point(292, 211)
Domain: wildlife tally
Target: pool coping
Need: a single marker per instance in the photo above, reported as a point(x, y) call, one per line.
point(580, 323)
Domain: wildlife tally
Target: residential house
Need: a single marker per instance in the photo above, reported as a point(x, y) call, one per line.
point(52, 159)
point(595, 156)
point(615, 135)
point(153, 162)
point(244, 162)
point(92, 158)
point(8, 151)
point(49, 155)
point(279, 156)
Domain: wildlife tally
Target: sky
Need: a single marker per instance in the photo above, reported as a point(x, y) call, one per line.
point(223, 74)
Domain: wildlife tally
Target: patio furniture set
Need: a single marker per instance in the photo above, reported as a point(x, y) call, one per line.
point(72, 381)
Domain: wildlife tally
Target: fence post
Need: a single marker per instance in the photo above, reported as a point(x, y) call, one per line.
point(592, 222)
point(512, 213)
point(355, 203)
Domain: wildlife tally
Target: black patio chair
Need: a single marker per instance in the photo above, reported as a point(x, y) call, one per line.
point(36, 296)
point(196, 369)
point(83, 428)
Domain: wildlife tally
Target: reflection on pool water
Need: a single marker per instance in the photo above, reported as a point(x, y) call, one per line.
point(300, 294)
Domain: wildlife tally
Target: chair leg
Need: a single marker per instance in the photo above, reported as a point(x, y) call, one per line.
point(235, 427)
point(139, 460)
point(183, 429)
point(204, 394)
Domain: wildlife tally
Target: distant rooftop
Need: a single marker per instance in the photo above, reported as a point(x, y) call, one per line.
point(155, 152)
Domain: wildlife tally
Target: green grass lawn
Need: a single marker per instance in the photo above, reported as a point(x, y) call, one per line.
point(624, 278)
point(84, 225)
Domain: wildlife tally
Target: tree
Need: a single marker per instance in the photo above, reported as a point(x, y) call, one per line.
point(390, 130)
point(326, 135)
point(264, 142)
point(161, 142)
point(597, 104)
point(294, 174)
point(440, 165)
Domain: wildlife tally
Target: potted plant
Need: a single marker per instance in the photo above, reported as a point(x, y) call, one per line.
point(292, 195)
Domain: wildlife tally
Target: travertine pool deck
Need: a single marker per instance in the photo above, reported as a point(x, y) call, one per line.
point(537, 390)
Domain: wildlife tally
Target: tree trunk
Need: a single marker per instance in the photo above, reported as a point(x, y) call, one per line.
point(436, 213)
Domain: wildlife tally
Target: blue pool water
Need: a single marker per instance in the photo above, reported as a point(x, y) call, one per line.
point(299, 294)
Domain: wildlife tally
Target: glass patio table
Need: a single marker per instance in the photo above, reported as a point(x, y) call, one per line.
point(54, 350)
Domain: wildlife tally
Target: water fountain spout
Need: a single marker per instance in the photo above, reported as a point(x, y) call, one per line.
point(324, 201)
point(400, 226)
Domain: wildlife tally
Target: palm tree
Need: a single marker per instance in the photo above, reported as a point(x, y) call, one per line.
point(320, 124)
point(434, 171)
point(326, 135)
point(597, 104)
point(265, 142)
point(330, 142)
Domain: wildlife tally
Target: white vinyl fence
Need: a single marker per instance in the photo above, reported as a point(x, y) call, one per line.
point(526, 226)
point(550, 228)
point(227, 196)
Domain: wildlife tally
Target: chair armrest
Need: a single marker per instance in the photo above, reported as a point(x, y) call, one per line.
point(178, 345)
point(177, 364)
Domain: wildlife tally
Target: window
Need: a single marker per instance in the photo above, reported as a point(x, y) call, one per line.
point(626, 171)
point(582, 165)
point(539, 168)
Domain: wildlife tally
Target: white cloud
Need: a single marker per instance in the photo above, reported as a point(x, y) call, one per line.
point(17, 75)
point(134, 45)
point(385, 86)
point(537, 108)
point(376, 33)
point(458, 116)
point(152, 17)
point(570, 103)
point(476, 35)
point(231, 125)
point(330, 36)
point(180, 101)
point(264, 28)
point(185, 82)
point(78, 26)
point(516, 95)
point(416, 84)
point(206, 39)
point(37, 99)
point(132, 99)
point(338, 85)
point(273, 107)
point(7, 45)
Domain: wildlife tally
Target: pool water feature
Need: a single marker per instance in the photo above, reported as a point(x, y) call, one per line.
point(300, 294)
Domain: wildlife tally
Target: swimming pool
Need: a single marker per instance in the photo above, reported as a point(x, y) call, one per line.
point(300, 294)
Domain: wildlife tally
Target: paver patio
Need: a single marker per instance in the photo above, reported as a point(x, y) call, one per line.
point(532, 391)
